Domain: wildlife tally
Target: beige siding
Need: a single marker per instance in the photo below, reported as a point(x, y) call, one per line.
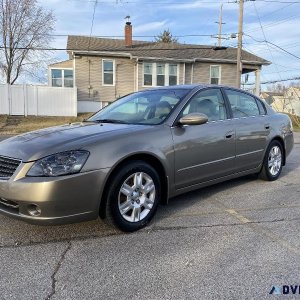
point(228, 74)
point(202, 73)
point(141, 77)
point(88, 77)
point(188, 73)
point(125, 77)
point(63, 64)
point(181, 73)
point(88, 74)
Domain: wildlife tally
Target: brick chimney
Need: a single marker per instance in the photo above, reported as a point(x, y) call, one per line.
point(128, 34)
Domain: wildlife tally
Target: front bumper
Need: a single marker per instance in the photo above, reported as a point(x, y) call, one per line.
point(60, 200)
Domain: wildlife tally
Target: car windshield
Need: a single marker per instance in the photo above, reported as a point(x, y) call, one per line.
point(147, 107)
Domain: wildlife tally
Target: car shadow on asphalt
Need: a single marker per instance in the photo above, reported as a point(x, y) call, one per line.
point(14, 232)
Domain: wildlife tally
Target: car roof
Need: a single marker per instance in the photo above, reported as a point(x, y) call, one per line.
point(196, 87)
point(186, 86)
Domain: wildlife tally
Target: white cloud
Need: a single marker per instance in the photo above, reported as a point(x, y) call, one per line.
point(151, 26)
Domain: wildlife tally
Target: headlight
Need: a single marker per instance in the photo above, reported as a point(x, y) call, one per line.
point(58, 164)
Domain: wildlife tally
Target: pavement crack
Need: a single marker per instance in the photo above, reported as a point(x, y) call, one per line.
point(57, 267)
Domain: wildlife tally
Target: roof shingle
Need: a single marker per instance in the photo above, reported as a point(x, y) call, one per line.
point(144, 49)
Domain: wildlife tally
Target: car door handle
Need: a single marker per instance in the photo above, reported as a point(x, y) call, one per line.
point(229, 135)
point(267, 126)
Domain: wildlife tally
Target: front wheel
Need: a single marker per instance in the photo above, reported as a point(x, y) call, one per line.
point(133, 196)
point(272, 164)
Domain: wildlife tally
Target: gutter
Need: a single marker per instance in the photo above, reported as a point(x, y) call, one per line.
point(231, 61)
point(192, 60)
point(104, 53)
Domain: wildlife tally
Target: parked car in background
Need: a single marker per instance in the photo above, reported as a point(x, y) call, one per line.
point(141, 150)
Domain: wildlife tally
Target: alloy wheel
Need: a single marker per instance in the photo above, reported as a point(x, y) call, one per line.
point(274, 160)
point(136, 197)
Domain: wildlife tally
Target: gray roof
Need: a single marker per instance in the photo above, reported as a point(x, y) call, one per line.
point(154, 50)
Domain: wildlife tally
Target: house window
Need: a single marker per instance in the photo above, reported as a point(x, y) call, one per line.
point(172, 74)
point(68, 78)
point(160, 74)
point(108, 72)
point(215, 74)
point(56, 77)
point(147, 74)
point(62, 78)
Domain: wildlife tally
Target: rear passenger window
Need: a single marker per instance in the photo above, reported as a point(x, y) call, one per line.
point(242, 105)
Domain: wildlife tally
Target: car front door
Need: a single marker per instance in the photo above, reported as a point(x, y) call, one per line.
point(204, 152)
point(252, 129)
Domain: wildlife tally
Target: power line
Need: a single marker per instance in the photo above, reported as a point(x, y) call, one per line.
point(119, 50)
point(134, 36)
point(268, 42)
point(119, 2)
point(274, 81)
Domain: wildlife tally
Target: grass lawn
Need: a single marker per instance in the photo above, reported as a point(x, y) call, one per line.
point(34, 123)
point(296, 128)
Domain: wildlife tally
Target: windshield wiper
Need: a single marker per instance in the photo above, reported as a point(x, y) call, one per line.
point(110, 121)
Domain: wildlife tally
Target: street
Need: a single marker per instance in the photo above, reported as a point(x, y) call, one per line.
point(234, 240)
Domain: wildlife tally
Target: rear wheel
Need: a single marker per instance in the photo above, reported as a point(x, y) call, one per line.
point(272, 164)
point(133, 196)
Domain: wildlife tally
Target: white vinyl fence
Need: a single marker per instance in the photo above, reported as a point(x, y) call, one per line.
point(24, 100)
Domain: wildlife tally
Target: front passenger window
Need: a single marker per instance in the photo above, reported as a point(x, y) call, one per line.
point(209, 102)
point(242, 105)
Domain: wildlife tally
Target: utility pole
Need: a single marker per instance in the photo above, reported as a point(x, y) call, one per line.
point(240, 44)
point(220, 26)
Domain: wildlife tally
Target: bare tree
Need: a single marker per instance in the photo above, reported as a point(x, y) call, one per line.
point(24, 27)
point(165, 37)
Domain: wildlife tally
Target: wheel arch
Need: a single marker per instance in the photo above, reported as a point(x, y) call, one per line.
point(146, 157)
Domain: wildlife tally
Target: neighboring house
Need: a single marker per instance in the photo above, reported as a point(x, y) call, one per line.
point(105, 69)
point(274, 99)
point(287, 101)
point(293, 100)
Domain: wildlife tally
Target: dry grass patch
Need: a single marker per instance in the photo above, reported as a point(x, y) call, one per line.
point(31, 123)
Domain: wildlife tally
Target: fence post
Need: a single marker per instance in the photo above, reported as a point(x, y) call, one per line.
point(36, 100)
point(25, 100)
point(8, 98)
point(75, 110)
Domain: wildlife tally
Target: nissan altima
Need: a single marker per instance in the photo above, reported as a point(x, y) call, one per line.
point(139, 151)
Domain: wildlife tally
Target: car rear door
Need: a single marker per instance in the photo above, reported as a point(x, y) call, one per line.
point(204, 152)
point(251, 126)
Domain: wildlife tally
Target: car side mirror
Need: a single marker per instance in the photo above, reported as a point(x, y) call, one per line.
point(193, 119)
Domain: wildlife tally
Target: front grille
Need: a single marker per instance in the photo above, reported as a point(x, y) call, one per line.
point(8, 166)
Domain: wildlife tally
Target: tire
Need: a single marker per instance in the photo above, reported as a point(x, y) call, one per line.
point(272, 164)
point(133, 196)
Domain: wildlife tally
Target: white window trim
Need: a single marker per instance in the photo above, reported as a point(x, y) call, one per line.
point(62, 74)
point(114, 72)
point(153, 71)
point(154, 74)
point(177, 75)
point(220, 72)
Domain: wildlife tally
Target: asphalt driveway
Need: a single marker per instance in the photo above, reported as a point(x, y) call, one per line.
point(235, 240)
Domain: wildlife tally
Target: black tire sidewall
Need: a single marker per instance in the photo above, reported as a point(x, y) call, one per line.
point(112, 202)
point(266, 160)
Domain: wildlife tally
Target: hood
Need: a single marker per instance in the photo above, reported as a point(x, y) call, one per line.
point(36, 144)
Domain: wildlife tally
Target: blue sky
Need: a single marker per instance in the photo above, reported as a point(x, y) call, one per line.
point(280, 21)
